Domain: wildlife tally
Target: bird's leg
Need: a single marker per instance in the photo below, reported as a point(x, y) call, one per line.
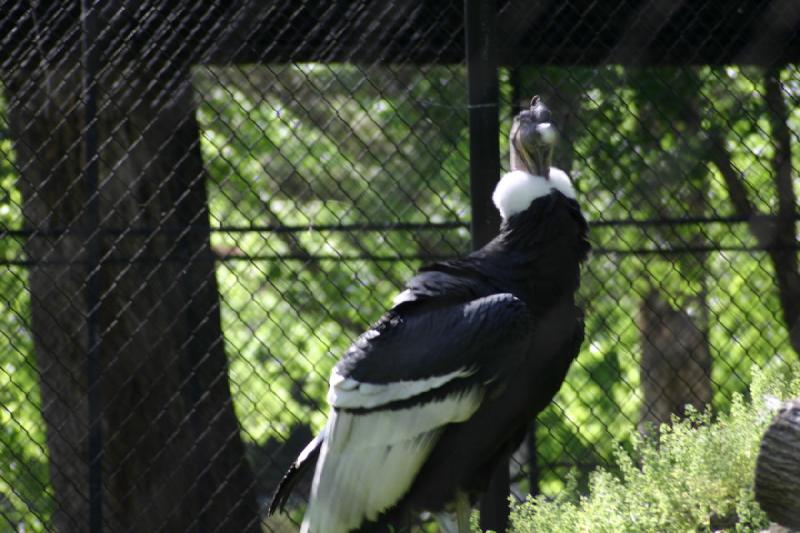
point(463, 511)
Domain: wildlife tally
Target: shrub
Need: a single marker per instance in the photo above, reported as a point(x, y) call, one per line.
point(696, 475)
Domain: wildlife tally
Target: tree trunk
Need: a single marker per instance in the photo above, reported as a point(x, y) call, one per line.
point(172, 454)
point(777, 483)
point(777, 235)
point(675, 367)
point(675, 370)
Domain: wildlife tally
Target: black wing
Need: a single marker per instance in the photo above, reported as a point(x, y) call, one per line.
point(413, 351)
point(397, 388)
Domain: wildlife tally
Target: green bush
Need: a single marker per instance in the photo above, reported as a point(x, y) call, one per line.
point(696, 475)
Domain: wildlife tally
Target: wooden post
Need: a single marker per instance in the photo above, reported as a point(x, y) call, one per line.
point(777, 483)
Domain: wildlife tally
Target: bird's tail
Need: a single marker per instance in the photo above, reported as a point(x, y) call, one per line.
point(307, 459)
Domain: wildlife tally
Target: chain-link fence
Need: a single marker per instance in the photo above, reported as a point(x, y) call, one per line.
point(203, 204)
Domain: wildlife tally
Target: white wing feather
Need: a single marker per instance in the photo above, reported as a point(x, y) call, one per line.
point(347, 393)
point(368, 461)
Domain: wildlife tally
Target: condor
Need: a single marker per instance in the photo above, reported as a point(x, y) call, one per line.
point(441, 390)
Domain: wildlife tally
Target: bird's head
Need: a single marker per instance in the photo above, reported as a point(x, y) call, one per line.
point(532, 140)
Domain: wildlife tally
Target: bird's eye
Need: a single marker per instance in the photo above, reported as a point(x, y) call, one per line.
point(546, 132)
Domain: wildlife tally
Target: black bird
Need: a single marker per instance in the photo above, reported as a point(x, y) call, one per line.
point(442, 389)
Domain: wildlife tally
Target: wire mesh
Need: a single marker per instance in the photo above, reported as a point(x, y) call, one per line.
point(269, 174)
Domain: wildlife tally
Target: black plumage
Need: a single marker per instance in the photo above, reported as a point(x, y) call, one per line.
point(537, 261)
point(444, 386)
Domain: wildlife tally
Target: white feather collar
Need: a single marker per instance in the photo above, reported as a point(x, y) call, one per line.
point(517, 189)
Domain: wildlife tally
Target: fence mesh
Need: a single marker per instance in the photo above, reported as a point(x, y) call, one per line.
point(202, 207)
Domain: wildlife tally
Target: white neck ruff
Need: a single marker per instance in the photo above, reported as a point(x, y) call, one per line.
point(517, 189)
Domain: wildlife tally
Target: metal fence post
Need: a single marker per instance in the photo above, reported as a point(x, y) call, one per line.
point(89, 57)
point(480, 23)
point(484, 142)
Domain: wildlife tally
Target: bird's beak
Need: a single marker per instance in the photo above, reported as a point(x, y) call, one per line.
point(532, 140)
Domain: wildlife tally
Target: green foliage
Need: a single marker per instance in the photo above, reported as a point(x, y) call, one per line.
point(639, 153)
point(26, 498)
point(328, 145)
point(696, 475)
point(314, 145)
point(309, 145)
